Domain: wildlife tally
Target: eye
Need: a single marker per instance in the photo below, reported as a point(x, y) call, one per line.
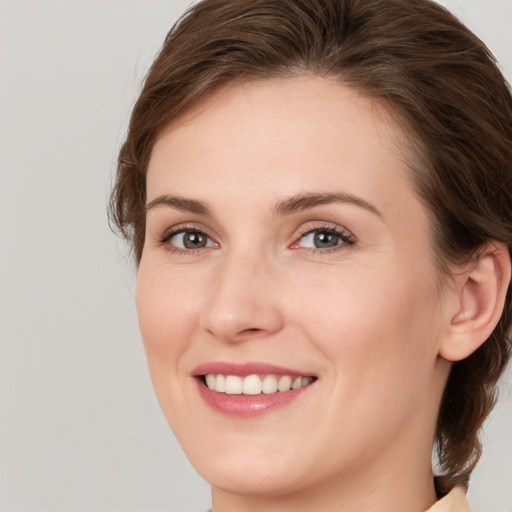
point(187, 240)
point(324, 239)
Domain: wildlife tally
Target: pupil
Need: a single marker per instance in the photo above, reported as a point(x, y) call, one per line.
point(194, 240)
point(324, 239)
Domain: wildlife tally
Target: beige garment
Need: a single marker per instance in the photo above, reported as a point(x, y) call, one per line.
point(454, 501)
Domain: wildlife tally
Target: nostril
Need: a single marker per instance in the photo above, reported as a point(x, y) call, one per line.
point(250, 332)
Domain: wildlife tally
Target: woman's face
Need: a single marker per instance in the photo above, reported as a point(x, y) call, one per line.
point(285, 245)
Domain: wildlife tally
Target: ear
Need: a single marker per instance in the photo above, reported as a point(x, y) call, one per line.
point(480, 293)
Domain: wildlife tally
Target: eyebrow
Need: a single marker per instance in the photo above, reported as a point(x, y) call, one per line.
point(180, 203)
point(296, 203)
point(308, 200)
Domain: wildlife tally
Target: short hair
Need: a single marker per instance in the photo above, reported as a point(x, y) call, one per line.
point(442, 85)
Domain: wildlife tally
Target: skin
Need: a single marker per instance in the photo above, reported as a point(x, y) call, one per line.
point(367, 317)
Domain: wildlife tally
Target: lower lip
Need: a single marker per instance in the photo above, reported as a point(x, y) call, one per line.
point(247, 405)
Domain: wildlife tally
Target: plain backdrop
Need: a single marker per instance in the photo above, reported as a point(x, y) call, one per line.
point(80, 429)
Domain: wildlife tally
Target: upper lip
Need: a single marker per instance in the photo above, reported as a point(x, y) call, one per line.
point(244, 369)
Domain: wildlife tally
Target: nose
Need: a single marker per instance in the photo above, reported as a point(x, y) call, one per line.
point(241, 302)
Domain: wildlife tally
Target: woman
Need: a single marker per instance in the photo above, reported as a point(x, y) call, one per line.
point(319, 200)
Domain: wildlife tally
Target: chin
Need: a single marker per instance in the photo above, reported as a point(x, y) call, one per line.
point(250, 477)
point(248, 467)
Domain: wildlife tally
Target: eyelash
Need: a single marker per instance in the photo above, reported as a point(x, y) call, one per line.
point(168, 235)
point(346, 239)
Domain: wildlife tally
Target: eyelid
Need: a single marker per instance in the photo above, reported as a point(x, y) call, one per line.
point(168, 234)
point(346, 236)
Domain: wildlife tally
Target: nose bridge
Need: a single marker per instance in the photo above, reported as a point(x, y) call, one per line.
point(241, 301)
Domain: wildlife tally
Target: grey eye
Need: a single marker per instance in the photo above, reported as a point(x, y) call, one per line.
point(324, 239)
point(321, 239)
point(191, 240)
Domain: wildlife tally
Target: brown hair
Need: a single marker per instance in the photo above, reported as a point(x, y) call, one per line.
point(440, 80)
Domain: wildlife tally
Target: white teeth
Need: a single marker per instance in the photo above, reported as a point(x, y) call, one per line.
point(269, 384)
point(210, 381)
point(285, 383)
point(234, 385)
point(220, 383)
point(254, 384)
point(305, 381)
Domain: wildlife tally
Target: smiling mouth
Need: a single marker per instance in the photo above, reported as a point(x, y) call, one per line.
point(255, 384)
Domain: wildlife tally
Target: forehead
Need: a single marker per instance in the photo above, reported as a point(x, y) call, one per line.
point(276, 138)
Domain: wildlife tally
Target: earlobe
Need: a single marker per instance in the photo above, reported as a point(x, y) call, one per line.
point(481, 292)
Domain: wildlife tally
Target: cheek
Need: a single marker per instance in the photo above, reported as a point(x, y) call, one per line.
point(165, 311)
point(381, 344)
point(374, 327)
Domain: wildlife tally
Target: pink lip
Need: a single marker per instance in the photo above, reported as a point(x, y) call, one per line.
point(242, 370)
point(246, 405)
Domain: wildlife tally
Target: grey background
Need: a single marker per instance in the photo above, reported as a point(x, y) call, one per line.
point(80, 429)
